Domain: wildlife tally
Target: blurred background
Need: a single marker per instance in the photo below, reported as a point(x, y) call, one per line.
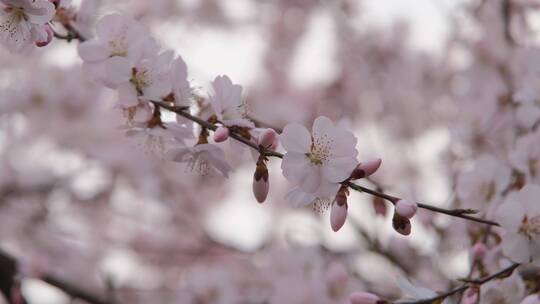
point(93, 208)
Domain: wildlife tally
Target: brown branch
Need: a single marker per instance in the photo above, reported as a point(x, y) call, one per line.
point(500, 274)
point(69, 288)
point(461, 213)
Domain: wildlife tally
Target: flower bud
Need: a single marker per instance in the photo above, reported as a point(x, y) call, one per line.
point(406, 208)
point(261, 184)
point(366, 169)
point(479, 251)
point(401, 224)
point(338, 215)
point(363, 298)
point(221, 134)
point(268, 139)
point(531, 299)
point(47, 39)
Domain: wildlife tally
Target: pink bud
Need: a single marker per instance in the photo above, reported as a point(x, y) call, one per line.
point(268, 139)
point(479, 251)
point(402, 225)
point(366, 169)
point(338, 215)
point(260, 189)
point(406, 208)
point(221, 134)
point(363, 298)
point(48, 39)
point(532, 299)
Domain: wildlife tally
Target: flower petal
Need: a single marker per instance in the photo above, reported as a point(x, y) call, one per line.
point(516, 247)
point(339, 169)
point(296, 138)
point(295, 166)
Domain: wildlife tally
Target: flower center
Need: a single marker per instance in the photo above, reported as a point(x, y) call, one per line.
point(320, 151)
point(530, 227)
point(118, 48)
point(140, 79)
point(9, 25)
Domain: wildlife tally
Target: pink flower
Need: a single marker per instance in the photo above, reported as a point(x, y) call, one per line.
point(316, 163)
point(226, 100)
point(203, 158)
point(22, 22)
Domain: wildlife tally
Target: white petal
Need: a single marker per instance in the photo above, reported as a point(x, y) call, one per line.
point(339, 169)
point(516, 247)
point(312, 180)
point(177, 154)
point(118, 70)
point(295, 166)
point(93, 51)
point(296, 138)
point(298, 198)
point(41, 12)
point(530, 199)
point(127, 95)
point(510, 215)
point(327, 189)
point(321, 126)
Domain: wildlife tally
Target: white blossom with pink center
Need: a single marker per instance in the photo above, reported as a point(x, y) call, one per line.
point(315, 163)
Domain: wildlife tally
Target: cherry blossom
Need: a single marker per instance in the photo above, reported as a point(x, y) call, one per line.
point(483, 183)
point(519, 215)
point(316, 163)
point(22, 22)
point(226, 100)
point(202, 159)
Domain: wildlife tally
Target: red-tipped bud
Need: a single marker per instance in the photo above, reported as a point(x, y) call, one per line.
point(261, 184)
point(402, 225)
point(366, 169)
point(221, 134)
point(364, 298)
point(338, 215)
point(48, 38)
point(268, 139)
point(406, 208)
point(479, 251)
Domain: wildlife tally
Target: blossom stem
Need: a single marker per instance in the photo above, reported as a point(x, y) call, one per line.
point(461, 213)
point(500, 274)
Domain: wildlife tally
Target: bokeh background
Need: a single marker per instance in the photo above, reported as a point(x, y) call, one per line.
point(100, 211)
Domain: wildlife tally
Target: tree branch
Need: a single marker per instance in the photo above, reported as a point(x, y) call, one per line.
point(8, 270)
point(461, 213)
point(500, 274)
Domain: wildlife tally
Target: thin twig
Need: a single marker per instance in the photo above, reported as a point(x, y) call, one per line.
point(461, 213)
point(502, 273)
